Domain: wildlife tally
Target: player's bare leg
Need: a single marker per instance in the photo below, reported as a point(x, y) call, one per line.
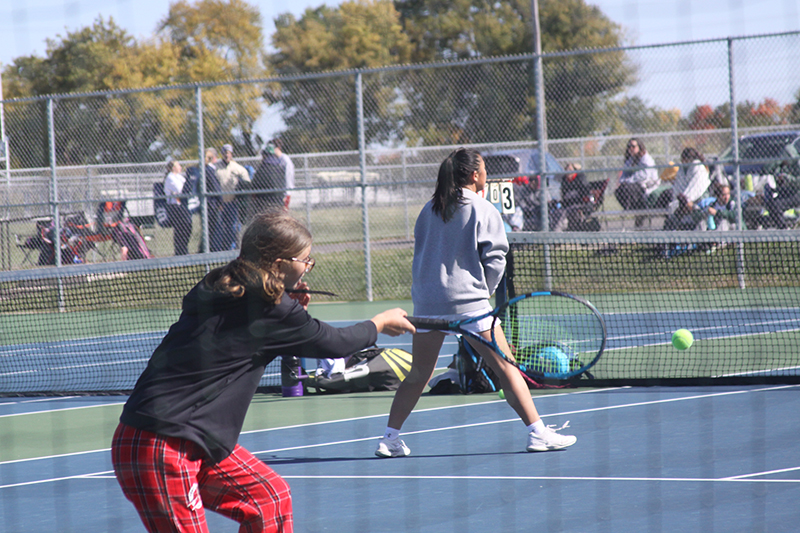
point(516, 390)
point(425, 349)
point(540, 437)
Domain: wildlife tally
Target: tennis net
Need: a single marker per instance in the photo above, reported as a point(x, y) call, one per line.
point(737, 292)
point(92, 328)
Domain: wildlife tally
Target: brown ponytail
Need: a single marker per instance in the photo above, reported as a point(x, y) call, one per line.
point(270, 236)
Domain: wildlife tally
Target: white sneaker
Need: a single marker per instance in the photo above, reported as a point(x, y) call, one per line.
point(550, 440)
point(392, 448)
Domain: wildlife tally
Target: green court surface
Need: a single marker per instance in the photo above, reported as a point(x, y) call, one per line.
point(88, 423)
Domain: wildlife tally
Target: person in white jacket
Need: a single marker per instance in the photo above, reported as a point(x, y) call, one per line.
point(639, 179)
point(691, 183)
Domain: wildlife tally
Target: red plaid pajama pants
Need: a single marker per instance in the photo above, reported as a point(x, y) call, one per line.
point(170, 484)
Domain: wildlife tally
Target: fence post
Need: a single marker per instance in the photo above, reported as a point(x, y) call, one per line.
point(362, 163)
point(736, 175)
point(541, 133)
point(406, 220)
point(307, 192)
point(6, 155)
point(51, 134)
point(205, 236)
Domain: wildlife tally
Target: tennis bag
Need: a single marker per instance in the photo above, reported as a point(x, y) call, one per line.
point(474, 375)
point(468, 373)
point(373, 369)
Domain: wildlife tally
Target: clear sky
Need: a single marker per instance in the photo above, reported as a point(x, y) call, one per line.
point(26, 24)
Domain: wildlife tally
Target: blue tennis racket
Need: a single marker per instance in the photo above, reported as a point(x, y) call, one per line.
point(551, 334)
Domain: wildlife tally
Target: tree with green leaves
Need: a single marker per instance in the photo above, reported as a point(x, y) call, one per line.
point(461, 103)
point(90, 59)
point(220, 40)
point(210, 40)
point(632, 115)
point(496, 103)
point(320, 114)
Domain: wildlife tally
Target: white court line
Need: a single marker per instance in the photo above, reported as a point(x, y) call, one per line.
point(742, 478)
point(58, 456)
point(737, 326)
point(781, 471)
point(61, 410)
point(383, 415)
point(109, 474)
point(106, 450)
point(516, 419)
point(553, 478)
point(38, 400)
point(96, 475)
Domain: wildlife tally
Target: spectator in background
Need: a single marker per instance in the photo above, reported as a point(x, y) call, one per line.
point(289, 175)
point(722, 210)
point(214, 202)
point(270, 177)
point(639, 179)
point(577, 199)
point(232, 177)
point(177, 213)
point(689, 186)
point(785, 194)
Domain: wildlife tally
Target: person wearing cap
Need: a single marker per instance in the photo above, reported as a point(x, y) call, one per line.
point(231, 176)
point(270, 179)
point(289, 173)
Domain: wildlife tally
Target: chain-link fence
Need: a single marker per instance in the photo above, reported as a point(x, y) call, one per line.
point(366, 146)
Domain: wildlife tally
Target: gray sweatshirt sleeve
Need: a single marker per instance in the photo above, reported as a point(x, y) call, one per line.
point(492, 246)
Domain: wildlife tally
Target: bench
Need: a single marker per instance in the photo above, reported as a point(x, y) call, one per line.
point(640, 216)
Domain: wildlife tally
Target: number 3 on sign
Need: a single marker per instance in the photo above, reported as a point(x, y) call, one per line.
point(506, 199)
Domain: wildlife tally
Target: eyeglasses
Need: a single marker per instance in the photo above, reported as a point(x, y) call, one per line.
point(310, 262)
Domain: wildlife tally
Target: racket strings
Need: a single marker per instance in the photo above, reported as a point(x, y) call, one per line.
point(552, 335)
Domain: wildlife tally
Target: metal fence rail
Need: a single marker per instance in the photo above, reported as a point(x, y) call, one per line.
point(366, 143)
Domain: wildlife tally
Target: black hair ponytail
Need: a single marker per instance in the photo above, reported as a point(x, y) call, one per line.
point(455, 173)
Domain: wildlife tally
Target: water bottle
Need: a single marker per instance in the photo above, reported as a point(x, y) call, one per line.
point(712, 224)
point(290, 376)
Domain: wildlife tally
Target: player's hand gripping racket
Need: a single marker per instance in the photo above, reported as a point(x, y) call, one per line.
point(551, 334)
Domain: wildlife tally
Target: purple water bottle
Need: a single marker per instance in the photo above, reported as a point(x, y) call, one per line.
point(290, 376)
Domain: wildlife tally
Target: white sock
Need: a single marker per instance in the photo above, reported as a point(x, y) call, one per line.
point(537, 427)
point(391, 433)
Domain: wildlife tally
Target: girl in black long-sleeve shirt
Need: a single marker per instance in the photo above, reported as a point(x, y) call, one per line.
point(175, 450)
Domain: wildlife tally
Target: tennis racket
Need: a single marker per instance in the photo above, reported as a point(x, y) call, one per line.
point(308, 291)
point(551, 334)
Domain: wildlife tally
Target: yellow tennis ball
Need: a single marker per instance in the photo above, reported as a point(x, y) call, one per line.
point(682, 339)
point(502, 394)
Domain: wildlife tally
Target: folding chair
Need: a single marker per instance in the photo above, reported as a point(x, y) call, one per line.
point(26, 249)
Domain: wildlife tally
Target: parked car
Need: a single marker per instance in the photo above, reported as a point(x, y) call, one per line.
point(759, 149)
point(524, 163)
point(522, 166)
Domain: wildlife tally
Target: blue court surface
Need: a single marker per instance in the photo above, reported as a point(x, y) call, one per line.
point(651, 459)
point(114, 362)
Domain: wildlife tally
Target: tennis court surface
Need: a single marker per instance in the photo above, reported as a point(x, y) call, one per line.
point(647, 459)
point(718, 453)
